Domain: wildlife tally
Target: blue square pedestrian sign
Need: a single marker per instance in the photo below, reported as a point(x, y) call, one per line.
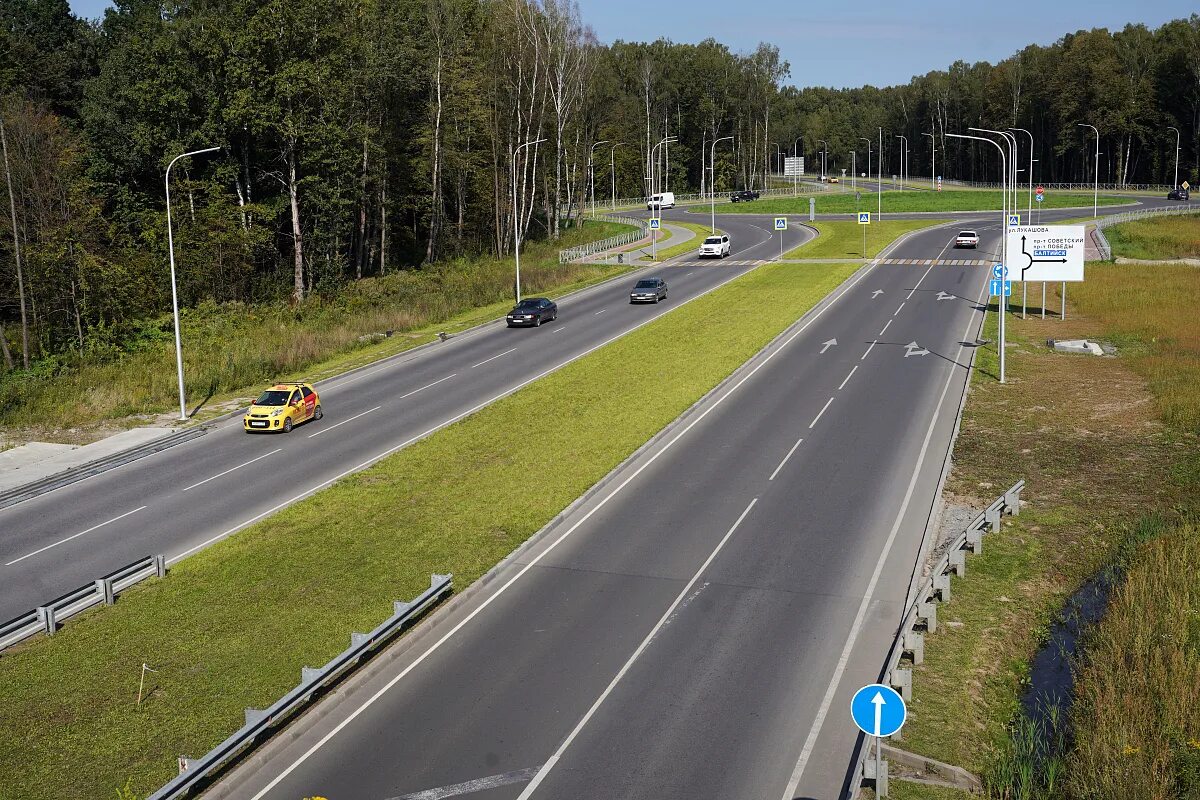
point(781, 223)
point(654, 223)
point(864, 218)
point(1000, 287)
point(1014, 220)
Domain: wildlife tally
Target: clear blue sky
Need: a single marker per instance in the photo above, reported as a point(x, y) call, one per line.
point(858, 42)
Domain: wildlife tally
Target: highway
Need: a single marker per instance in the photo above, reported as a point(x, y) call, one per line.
point(188, 496)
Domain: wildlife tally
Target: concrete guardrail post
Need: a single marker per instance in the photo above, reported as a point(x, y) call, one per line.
point(880, 781)
point(941, 587)
point(255, 716)
point(914, 645)
point(900, 679)
point(46, 620)
point(992, 516)
point(927, 613)
point(104, 588)
point(975, 540)
point(160, 565)
point(958, 563)
point(1012, 500)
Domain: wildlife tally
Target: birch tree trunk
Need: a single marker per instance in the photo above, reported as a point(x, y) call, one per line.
point(12, 207)
point(297, 236)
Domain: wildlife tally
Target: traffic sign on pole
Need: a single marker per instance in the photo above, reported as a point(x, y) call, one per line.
point(781, 223)
point(864, 218)
point(1014, 220)
point(654, 223)
point(1000, 287)
point(1047, 252)
point(878, 710)
point(999, 271)
point(1039, 190)
point(1041, 198)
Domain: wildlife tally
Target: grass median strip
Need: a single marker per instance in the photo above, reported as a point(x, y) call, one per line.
point(844, 239)
point(1167, 237)
point(232, 625)
point(899, 202)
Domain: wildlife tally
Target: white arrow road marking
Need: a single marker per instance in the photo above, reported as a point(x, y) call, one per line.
point(878, 702)
point(914, 349)
point(944, 296)
point(74, 536)
point(876, 293)
point(828, 345)
point(470, 787)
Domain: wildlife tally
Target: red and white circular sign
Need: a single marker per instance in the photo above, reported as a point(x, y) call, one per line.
point(1039, 190)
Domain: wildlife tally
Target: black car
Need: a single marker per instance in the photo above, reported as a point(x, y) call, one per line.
point(1178, 194)
point(532, 311)
point(649, 290)
point(744, 196)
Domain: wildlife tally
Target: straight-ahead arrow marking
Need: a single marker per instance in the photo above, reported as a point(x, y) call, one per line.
point(876, 293)
point(944, 296)
point(828, 345)
point(878, 702)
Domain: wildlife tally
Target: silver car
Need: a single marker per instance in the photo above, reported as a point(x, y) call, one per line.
point(649, 290)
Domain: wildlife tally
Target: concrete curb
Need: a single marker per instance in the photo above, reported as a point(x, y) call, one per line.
point(948, 775)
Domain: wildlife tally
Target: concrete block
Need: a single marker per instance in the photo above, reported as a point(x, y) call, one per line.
point(879, 782)
point(927, 612)
point(975, 540)
point(1077, 346)
point(941, 587)
point(992, 516)
point(900, 679)
point(958, 562)
point(914, 644)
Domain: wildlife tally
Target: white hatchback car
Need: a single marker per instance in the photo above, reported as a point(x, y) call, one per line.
point(716, 245)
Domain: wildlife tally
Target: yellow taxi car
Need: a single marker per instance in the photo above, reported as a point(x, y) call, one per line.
point(282, 407)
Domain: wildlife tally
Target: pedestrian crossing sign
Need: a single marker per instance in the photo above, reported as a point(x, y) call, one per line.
point(864, 218)
point(781, 223)
point(654, 223)
point(1014, 220)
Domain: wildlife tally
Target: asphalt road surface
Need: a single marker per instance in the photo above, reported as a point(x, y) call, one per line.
point(695, 628)
point(183, 498)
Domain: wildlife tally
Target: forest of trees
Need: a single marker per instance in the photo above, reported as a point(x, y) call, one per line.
point(360, 137)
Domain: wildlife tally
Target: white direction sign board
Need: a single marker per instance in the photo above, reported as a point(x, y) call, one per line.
point(1045, 252)
point(793, 166)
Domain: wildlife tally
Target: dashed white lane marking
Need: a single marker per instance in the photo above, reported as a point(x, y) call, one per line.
point(470, 787)
point(885, 327)
point(549, 765)
point(74, 536)
point(870, 347)
point(785, 459)
point(847, 380)
point(343, 422)
point(819, 413)
point(598, 313)
point(897, 311)
point(493, 358)
point(231, 469)
point(426, 386)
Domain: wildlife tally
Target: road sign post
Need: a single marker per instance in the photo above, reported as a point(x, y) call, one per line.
point(864, 219)
point(878, 711)
point(781, 225)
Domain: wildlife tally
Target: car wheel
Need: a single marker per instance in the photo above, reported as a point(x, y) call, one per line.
point(537, 321)
point(317, 412)
point(287, 425)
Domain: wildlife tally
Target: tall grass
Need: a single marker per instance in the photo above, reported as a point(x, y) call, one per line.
point(1151, 311)
point(1137, 709)
point(1029, 765)
point(235, 347)
point(1159, 237)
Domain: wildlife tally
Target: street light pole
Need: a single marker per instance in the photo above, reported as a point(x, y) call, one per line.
point(516, 214)
point(1095, 172)
point(174, 291)
point(1003, 303)
point(654, 231)
point(854, 172)
point(712, 179)
point(1175, 183)
point(879, 179)
point(1030, 135)
point(592, 172)
point(933, 167)
point(903, 152)
point(612, 168)
point(824, 153)
point(796, 177)
point(868, 141)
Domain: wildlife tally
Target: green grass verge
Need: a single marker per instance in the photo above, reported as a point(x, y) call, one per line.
point(232, 625)
point(231, 350)
point(1156, 237)
point(896, 202)
point(844, 239)
point(687, 246)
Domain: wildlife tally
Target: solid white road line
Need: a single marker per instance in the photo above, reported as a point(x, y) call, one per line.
point(897, 311)
point(75, 536)
point(231, 469)
point(426, 386)
point(343, 422)
point(819, 413)
point(868, 596)
point(870, 347)
point(785, 459)
point(885, 327)
point(549, 765)
point(493, 358)
point(370, 701)
point(847, 380)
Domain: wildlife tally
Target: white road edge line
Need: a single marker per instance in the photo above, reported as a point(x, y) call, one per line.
point(851, 639)
point(75, 536)
point(828, 403)
point(446, 423)
point(641, 648)
point(847, 380)
point(537, 559)
point(785, 459)
point(426, 386)
point(493, 358)
point(343, 422)
point(231, 469)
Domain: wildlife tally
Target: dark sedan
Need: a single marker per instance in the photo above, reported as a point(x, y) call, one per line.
point(1179, 194)
point(532, 311)
point(744, 196)
point(649, 290)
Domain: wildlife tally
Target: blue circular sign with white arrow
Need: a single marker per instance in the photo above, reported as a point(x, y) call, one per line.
point(878, 710)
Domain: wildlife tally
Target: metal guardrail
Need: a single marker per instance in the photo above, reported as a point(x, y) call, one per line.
point(1130, 216)
point(194, 773)
point(75, 474)
point(591, 248)
point(908, 650)
point(1068, 187)
point(47, 618)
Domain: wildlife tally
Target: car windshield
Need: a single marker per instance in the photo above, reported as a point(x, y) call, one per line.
point(525, 305)
point(650, 284)
point(273, 397)
point(713, 240)
point(966, 233)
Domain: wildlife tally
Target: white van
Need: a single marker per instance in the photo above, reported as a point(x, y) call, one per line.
point(664, 200)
